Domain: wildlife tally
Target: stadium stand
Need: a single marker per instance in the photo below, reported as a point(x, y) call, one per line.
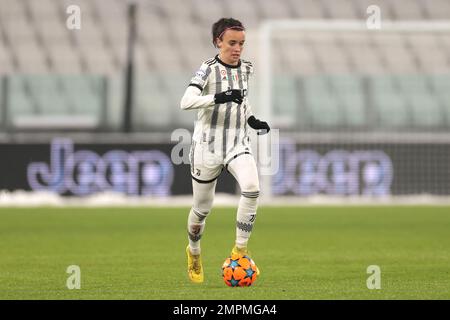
point(52, 68)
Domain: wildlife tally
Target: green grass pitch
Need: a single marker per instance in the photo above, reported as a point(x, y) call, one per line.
point(303, 253)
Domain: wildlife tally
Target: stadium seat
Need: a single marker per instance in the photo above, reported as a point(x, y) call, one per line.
point(6, 66)
point(295, 61)
point(152, 107)
point(19, 101)
point(167, 59)
point(244, 10)
point(2, 96)
point(390, 108)
point(362, 53)
point(18, 28)
point(437, 9)
point(154, 26)
point(176, 84)
point(84, 94)
point(308, 9)
point(107, 23)
point(207, 14)
point(344, 9)
point(286, 106)
point(45, 10)
point(47, 92)
point(395, 51)
point(273, 9)
point(321, 103)
point(429, 51)
point(425, 110)
point(385, 6)
point(30, 63)
point(65, 59)
point(116, 101)
point(42, 101)
point(350, 93)
point(408, 9)
point(176, 9)
point(323, 43)
point(34, 41)
point(440, 84)
point(11, 10)
point(52, 31)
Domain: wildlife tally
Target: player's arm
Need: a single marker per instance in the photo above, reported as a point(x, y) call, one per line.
point(194, 99)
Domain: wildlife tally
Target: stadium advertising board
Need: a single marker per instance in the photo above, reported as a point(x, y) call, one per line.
point(82, 169)
point(305, 169)
point(369, 169)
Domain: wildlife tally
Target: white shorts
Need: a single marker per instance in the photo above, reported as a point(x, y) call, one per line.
point(206, 166)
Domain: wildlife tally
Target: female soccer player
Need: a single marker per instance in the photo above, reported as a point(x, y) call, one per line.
point(221, 140)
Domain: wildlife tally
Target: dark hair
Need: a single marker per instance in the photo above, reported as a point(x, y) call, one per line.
point(222, 25)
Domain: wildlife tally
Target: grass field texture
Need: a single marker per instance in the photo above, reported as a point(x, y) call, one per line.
point(303, 253)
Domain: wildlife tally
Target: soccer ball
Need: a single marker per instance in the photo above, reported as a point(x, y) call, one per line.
point(239, 271)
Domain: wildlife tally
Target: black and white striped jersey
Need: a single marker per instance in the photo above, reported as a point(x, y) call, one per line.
point(223, 126)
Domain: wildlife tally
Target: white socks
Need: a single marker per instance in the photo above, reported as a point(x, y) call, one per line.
point(246, 216)
point(243, 168)
point(196, 225)
point(203, 199)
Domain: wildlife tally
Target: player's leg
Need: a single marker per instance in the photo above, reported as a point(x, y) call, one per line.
point(243, 168)
point(203, 194)
point(203, 199)
point(204, 174)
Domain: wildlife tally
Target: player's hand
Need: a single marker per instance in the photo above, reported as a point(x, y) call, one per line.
point(258, 125)
point(232, 95)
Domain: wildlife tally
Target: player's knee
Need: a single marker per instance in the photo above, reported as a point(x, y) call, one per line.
point(201, 211)
point(203, 205)
point(199, 214)
point(203, 202)
point(251, 189)
point(252, 193)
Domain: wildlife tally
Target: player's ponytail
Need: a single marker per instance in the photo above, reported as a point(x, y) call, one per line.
point(222, 25)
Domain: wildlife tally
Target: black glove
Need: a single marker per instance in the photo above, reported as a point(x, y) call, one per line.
point(258, 125)
point(232, 95)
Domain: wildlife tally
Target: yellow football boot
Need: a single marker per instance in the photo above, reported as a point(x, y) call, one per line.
point(195, 268)
point(243, 251)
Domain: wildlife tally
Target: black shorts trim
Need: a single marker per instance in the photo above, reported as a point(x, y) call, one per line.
point(206, 181)
point(239, 154)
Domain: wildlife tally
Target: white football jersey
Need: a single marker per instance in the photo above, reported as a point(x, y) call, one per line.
point(223, 126)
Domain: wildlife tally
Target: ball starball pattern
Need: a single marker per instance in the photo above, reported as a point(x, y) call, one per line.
point(239, 271)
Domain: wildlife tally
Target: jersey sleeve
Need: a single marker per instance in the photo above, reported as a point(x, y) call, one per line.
point(200, 79)
point(193, 99)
